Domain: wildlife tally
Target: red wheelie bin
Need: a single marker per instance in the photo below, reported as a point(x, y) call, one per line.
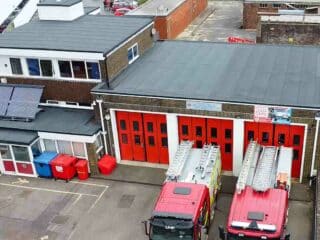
point(63, 167)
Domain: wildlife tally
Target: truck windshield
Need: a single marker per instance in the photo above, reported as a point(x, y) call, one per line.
point(236, 237)
point(171, 229)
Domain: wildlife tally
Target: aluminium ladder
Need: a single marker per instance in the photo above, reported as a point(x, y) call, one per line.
point(208, 157)
point(265, 168)
point(250, 159)
point(176, 167)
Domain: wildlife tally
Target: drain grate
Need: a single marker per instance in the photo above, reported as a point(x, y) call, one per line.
point(126, 201)
point(60, 219)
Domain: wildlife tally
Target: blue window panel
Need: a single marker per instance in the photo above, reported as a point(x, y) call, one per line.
point(33, 66)
point(93, 70)
point(130, 55)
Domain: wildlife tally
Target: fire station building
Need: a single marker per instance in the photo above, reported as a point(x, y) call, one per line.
point(214, 93)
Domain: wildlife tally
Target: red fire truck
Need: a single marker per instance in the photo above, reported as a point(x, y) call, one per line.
point(260, 204)
point(185, 205)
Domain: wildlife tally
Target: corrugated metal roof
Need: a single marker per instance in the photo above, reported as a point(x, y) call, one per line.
point(156, 8)
point(259, 74)
point(69, 121)
point(87, 34)
point(58, 2)
point(17, 136)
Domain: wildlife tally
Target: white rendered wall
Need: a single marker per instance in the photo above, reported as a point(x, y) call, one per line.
point(26, 13)
point(61, 13)
point(173, 135)
point(238, 141)
point(5, 68)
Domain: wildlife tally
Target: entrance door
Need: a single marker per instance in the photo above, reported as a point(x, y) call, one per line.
point(155, 132)
point(124, 133)
point(137, 138)
point(8, 165)
point(265, 136)
point(199, 132)
point(296, 141)
point(226, 144)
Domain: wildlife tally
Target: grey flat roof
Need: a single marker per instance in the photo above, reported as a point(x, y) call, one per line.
point(89, 33)
point(307, 2)
point(64, 3)
point(58, 120)
point(17, 136)
point(244, 73)
point(156, 8)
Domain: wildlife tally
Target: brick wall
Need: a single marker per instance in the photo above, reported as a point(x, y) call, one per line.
point(292, 33)
point(171, 26)
point(93, 158)
point(72, 91)
point(118, 61)
point(228, 110)
point(250, 14)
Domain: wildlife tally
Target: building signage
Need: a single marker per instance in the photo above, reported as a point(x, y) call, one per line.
point(201, 105)
point(281, 115)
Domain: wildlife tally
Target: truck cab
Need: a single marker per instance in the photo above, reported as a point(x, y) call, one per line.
point(181, 212)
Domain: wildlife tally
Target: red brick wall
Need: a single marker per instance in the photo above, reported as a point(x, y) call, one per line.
point(171, 26)
point(250, 14)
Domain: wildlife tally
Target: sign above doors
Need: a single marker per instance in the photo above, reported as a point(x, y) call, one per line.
point(280, 115)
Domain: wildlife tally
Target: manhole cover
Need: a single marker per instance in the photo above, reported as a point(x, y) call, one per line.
point(126, 201)
point(60, 219)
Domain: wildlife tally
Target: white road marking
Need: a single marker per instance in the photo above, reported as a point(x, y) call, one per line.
point(49, 190)
point(97, 200)
point(89, 184)
point(21, 181)
point(44, 237)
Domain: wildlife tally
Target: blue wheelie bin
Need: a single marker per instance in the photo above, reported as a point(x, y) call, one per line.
point(42, 164)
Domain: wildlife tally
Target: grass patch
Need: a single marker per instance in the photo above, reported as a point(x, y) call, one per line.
point(140, 2)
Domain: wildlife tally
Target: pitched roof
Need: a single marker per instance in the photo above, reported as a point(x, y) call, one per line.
point(99, 34)
point(244, 73)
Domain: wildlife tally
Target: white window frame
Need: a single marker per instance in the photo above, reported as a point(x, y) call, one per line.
point(39, 65)
point(21, 64)
point(131, 49)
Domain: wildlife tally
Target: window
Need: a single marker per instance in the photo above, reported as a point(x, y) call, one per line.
point(124, 138)
point(5, 152)
point(65, 69)
point(295, 154)
point(33, 66)
point(214, 132)
point(135, 126)
point(163, 128)
point(151, 141)
point(164, 142)
point(78, 149)
point(228, 133)
point(21, 153)
point(123, 125)
point(276, 5)
point(263, 5)
point(185, 130)
point(296, 140)
point(79, 70)
point(137, 140)
point(93, 70)
point(16, 67)
point(49, 145)
point(281, 138)
point(36, 149)
point(198, 131)
point(265, 137)
point(250, 135)
point(150, 127)
point(133, 53)
point(64, 147)
point(228, 148)
point(46, 68)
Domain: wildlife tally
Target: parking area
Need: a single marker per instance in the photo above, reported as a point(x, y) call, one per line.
point(100, 209)
point(221, 20)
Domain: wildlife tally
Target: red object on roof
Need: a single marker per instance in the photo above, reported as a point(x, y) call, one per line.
point(107, 164)
point(184, 204)
point(239, 40)
point(272, 205)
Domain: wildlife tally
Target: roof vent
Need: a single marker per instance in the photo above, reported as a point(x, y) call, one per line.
point(256, 216)
point(182, 191)
point(60, 10)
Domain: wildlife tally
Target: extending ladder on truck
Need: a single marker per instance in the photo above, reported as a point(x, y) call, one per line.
point(208, 156)
point(265, 169)
point(248, 166)
point(176, 167)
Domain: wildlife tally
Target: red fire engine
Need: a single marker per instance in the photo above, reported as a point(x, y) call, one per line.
point(185, 205)
point(260, 204)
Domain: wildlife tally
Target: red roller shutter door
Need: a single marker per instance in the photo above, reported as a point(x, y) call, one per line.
point(265, 134)
point(281, 135)
point(163, 139)
point(251, 132)
point(185, 128)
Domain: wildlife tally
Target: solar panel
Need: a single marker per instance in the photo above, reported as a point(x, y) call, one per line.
point(25, 110)
point(5, 95)
point(26, 94)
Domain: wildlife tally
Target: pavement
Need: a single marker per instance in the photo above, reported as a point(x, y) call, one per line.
point(222, 19)
point(34, 208)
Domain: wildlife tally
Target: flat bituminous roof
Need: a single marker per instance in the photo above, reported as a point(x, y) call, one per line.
point(98, 34)
point(156, 8)
point(17, 136)
point(242, 73)
point(64, 3)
